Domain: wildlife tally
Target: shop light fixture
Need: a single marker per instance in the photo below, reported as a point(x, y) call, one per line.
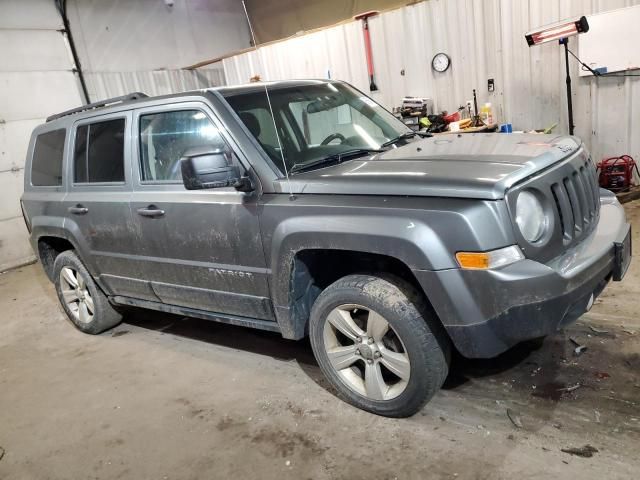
point(556, 31)
point(560, 31)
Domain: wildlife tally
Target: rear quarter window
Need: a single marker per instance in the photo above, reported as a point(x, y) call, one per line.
point(46, 166)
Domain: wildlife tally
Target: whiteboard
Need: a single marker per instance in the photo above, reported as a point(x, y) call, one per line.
point(611, 41)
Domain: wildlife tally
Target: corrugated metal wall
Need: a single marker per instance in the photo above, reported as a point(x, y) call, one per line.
point(31, 90)
point(485, 39)
point(144, 45)
point(145, 35)
point(154, 82)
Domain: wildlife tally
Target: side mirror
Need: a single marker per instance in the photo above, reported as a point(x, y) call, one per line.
point(208, 167)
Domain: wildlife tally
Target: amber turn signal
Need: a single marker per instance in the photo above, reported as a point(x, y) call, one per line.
point(492, 259)
point(473, 260)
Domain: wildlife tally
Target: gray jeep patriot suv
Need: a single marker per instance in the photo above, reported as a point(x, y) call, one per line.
point(329, 219)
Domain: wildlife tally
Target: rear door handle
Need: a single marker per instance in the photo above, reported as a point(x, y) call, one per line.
point(150, 211)
point(78, 210)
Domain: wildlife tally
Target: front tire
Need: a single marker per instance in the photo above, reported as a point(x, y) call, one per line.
point(81, 299)
point(379, 344)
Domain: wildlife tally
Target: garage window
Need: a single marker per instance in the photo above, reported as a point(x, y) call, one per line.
point(46, 167)
point(99, 152)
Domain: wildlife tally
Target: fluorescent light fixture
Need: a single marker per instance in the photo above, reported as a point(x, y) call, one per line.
point(556, 31)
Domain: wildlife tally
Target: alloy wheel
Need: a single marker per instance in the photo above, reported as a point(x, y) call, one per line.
point(366, 352)
point(76, 296)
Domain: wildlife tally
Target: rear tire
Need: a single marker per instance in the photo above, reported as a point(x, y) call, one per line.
point(379, 344)
point(81, 299)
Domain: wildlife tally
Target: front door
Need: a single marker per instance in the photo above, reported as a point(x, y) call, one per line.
point(196, 248)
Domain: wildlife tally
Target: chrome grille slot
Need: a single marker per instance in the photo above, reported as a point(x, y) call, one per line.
point(582, 197)
point(588, 193)
point(575, 205)
point(584, 204)
point(592, 180)
point(565, 212)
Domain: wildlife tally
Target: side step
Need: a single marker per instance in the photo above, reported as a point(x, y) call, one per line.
point(193, 312)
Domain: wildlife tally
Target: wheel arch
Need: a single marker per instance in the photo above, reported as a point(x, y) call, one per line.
point(405, 243)
point(51, 236)
point(314, 269)
point(49, 247)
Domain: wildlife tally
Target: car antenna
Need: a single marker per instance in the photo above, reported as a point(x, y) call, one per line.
point(273, 117)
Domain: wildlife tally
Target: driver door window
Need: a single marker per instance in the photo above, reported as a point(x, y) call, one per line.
point(165, 136)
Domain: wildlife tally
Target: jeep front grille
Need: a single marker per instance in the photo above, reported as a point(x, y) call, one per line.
point(577, 201)
point(572, 199)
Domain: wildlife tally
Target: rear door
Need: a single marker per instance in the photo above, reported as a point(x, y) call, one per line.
point(97, 204)
point(197, 248)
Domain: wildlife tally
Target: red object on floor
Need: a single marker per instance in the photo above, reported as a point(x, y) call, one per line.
point(616, 173)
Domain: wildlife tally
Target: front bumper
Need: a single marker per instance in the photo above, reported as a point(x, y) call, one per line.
point(486, 312)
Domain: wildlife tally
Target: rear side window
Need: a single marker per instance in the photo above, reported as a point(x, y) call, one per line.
point(46, 166)
point(99, 152)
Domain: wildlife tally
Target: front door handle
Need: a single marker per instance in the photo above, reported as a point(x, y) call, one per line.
point(78, 210)
point(150, 211)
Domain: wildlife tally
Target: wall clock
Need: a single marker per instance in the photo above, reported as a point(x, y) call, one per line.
point(440, 62)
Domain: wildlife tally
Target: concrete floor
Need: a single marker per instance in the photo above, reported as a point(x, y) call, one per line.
point(164, 397)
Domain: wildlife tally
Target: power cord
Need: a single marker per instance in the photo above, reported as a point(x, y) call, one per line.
point(596, 73)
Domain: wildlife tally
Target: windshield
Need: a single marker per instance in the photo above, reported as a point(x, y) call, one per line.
point(315, 122)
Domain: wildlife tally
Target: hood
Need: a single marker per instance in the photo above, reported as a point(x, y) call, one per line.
point(476, 165)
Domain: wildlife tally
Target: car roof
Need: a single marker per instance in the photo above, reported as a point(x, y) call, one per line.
point(140, 99)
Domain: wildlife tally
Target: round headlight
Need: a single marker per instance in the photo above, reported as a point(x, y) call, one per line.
point(530, 217)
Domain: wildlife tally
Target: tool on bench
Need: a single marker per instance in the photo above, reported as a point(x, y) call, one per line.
point(477, 121)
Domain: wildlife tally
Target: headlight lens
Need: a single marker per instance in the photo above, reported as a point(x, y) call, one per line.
point(530, 217)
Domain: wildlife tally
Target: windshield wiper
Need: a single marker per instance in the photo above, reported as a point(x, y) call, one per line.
point(336, 157)
point(404, 136)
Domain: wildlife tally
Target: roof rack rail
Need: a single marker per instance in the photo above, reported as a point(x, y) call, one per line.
point(101, 103)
